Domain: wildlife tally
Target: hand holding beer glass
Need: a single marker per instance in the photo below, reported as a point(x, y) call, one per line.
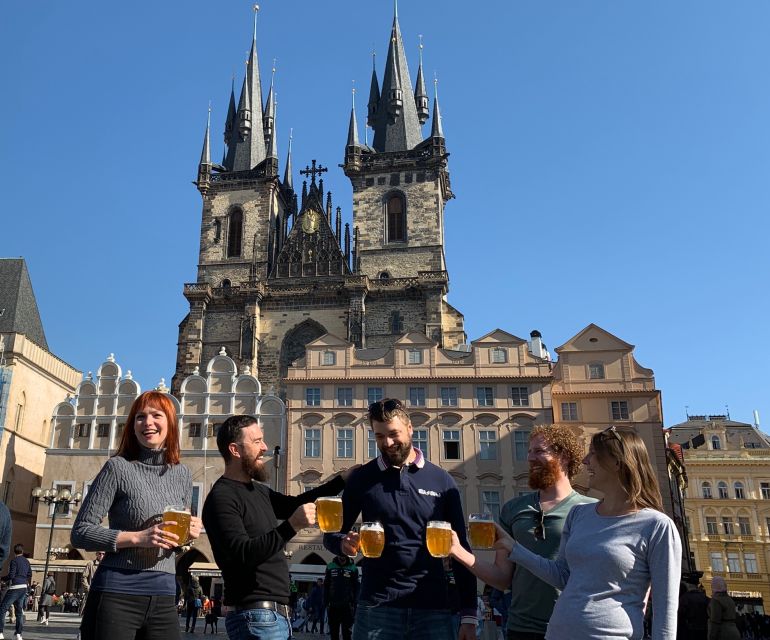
point(371, 539)
point(481, 530)
point(329, 514)
point(438, 537)
point(176, 520)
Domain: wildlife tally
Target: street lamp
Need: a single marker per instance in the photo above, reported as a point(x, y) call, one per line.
point(60, 500)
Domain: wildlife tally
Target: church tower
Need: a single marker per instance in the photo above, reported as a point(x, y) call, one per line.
point(277, 269)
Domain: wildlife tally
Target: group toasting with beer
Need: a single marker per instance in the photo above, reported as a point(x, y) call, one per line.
point(575, 566)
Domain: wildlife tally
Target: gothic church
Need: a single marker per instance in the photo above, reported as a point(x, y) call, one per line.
point(276, 270)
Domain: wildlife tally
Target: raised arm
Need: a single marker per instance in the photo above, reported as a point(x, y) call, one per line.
point(554, 572)
point(498, 574)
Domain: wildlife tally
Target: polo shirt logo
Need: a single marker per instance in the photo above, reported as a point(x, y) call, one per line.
point(428, 492)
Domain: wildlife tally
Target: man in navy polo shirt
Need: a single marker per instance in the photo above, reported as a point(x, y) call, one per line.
point(403, 593)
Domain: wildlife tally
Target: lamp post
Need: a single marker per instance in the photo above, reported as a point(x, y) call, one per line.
point(59, 500)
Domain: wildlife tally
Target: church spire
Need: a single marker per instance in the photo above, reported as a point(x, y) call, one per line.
point(420, 95)
point(250, 148)
point(273, 141)
point(374, 95)
point(437, 130)
point(204, 167)
point(353, 126)
point(288, 181)
point(396, 126)
point(269, 115)
point(231, 128)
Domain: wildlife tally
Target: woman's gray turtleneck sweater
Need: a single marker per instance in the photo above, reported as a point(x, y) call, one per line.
point(133, 494)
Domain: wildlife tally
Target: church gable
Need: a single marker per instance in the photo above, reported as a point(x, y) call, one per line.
point(312, 249)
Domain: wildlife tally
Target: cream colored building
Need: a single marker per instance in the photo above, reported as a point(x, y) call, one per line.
point(727, 504)
point(32, 382)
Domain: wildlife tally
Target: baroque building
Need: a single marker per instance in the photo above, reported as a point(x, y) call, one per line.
point(276, 270)
point(32, 381)
point(727, 504)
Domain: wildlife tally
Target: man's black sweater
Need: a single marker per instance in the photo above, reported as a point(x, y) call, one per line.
point(241, 521)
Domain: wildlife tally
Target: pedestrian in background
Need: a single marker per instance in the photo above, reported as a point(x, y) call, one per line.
point(88, 575)
point(19, 578)
point(193, 602)
point(133, 591)
point(722, 613)
point(340, 595)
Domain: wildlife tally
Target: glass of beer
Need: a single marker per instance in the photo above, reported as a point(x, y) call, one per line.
point(181, 515)
point(329, 514)
point(481, 530)
point(371, 539)
point(438, 537)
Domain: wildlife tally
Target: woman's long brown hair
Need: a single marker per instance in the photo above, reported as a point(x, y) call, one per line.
point(129, 447)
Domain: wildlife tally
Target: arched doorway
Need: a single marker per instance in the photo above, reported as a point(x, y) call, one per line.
point(183, 564)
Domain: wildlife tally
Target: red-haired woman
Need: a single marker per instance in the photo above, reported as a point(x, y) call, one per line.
point(133, 592)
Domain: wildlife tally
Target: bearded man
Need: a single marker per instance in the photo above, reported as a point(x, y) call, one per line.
point(241, 517)
point(536, 521)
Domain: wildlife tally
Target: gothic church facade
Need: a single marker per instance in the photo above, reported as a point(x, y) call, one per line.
point(276, 269)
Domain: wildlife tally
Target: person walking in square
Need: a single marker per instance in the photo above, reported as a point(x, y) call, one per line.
point(19, 578)
point(340, 596)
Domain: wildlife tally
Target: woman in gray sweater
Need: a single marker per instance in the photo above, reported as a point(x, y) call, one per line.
point(133, 592)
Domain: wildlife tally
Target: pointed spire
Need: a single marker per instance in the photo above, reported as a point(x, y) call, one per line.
point(268, 118)
point(338, 225)
point(396, 125)
point(206, 153)
point(329, 206)
point(288, 181)
point(204, 166)
point(420, 95)
point(304, 192)
point(250, 150)
point(230, 127)
point(353, 126)
point(273, 148)
point(437, 130)
point(347, 243)
point(374, 95)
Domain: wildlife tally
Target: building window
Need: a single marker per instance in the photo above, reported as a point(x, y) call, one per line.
point(345, 397)
point(420, 440)
point(19, 416)
point(520, 396)
point(706, 489)
point(195, 430)
point(448, 396)
point(396, 323)
point(767, 522)
point(416, 396)
point(619, 410)
point(213, 429)
point(569, 411)
point(716, 443)
point(414, 356)
point(451, 438)
point(313, 397)
point(716, 561)
point(520, 445)
point(83, 430)
point(744, 526)
point(727, 526)
point(739, 494)
point(498, 355)
point(711, 526)
point(195, 504)
point(485, 396)
point(235, 234)
point(396, 219)
point(312, 443)
point(103, 430)
point(329, 358)
point(722, 490)
point(62, 508)
point(596, 371)
point(374, 394)
point(371, 444)
point(750, 560)
point(488, 445)
point(764, 488)
point(490, 503)
point(733, 562)
point(344, 443)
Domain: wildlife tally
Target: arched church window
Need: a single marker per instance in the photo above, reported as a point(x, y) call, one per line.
point(396, 218)
point(217, 230)
point(235, 234)
point(396, 323)
point(226, 284)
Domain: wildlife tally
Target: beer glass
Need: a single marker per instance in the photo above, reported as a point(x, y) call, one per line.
point(181, 515)
point(438, 537)
point(371, 539)
point(329, 514)
point(481, 530)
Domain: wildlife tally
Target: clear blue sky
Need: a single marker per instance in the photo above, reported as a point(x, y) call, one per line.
point(610, 161)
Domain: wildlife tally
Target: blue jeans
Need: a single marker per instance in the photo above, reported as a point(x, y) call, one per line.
point(389, 623)
point(259, 624)
point(13, 598)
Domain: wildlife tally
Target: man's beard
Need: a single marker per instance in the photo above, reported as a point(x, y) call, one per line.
point(255, 469)
point(543, 476)
point(397, 454)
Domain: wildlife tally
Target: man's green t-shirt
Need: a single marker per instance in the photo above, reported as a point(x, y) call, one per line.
point(532, 599)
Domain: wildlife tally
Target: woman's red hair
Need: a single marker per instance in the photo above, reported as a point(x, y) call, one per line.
point(129, 446)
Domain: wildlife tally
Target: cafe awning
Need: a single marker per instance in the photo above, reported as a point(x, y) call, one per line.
point(59, 566)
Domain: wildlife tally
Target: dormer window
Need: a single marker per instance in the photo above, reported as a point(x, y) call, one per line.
point(716, 443)
point(328, 358)
point(498, 355)
point(596, 371)
point(414, 356)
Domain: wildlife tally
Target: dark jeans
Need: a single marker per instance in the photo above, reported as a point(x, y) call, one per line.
point(192, 612)
point(120, 616)
point(13, 598)
point(340, 617)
